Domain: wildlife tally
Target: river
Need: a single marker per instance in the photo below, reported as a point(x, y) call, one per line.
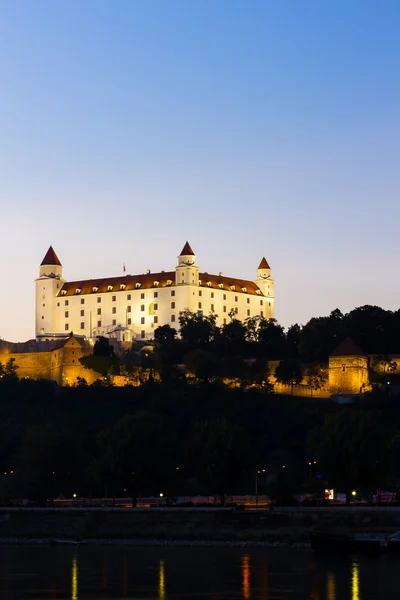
point(114, 572)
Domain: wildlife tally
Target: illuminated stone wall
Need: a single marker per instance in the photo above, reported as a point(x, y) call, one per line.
point(348, 374)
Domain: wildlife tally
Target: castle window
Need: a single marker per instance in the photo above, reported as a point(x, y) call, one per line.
point(114, 322)
point(110, 288)
point(200, 282)
point(66, 326)
point(155, 306)
point(155, 319)
point(138, 285)
point(172, 292)
point(63, 292)
point(236, 298)
point(221, 285)
point(258, 292)
point(58, 304)
point(224, 308)
point(172, 318)
point(73, 360)
point(236, 310)
point(172, 304)
point(44, 305)
point(224, 321)
point(244, 289)
point(343, 368)
point(261, 313)
point(233, 288)
point(66, 302)
point(129, 321)
point(82, 313)
point(248, 300)
point(99, 311)
point(248, 312)
point(224, 297)
point(200, 293)
point(114, 299)
point(209, 283)
point(129, 309)
point(114, 310)
point(142, 307)
point(261, 302)
point(82, 325)
point(143, 334)
point(77, 291)
point(212, 294)
point(98, 299)
point(269, 303)
point(156, 283)
point(42, 317)
point(95, 289)
point(142, 321)
point(169, 281)
point(98, 323)
point(66, 314)
point(129, 297)
point(82, 300)
point(212, 307)
point(122, 286)
point(142, 296)
point(199, 304)
point(155, 294)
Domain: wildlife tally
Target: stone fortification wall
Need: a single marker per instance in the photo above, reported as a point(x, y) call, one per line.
point(35, 365)
point(348, 374)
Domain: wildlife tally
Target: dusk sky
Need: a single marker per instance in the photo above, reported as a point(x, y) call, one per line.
point(249, 128)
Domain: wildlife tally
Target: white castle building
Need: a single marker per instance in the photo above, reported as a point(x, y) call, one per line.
point(131, 306)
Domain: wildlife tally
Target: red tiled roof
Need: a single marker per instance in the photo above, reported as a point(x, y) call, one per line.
point(51, 258)
point(263, 264)
point(147, 281)
point(186, 250)
point(347, 348)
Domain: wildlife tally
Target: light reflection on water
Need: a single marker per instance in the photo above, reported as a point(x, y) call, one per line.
point(193, 574)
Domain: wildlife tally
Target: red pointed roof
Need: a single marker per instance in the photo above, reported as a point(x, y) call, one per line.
point(51, 258)
point(263, 264)
point(186, 250)
point(347, 348)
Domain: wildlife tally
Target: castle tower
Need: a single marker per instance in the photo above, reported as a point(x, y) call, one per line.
point(348, 369)
point(266, 284)
point(187, 272)
point(48, 285)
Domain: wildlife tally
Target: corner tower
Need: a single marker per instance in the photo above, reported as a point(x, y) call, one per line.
point(187, 272)
point(48, 285)
point(266, 284)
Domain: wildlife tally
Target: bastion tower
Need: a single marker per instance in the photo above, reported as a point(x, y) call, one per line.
point(48, 286)
point(265, 283)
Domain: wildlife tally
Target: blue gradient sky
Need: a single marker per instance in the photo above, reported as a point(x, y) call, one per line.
point(249, 128)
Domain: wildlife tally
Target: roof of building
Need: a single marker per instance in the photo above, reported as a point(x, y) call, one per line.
point(264, 264)
point(187, 250)
point(51, 258)
point(154, 280)
point(347, 348)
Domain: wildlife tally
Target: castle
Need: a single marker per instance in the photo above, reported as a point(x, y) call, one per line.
point(130, 307)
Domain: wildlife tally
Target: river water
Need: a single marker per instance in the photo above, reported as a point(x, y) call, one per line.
point(193, 573)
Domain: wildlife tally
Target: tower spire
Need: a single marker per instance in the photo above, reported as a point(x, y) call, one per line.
point(51, 258)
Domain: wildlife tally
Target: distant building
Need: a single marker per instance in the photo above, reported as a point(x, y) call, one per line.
point(130, 307)
point(348, 369)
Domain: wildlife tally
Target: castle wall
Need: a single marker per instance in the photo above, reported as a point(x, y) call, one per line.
point(35, 365)
point(348, 374)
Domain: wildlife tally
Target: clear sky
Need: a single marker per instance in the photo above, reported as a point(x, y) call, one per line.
point(248, 127)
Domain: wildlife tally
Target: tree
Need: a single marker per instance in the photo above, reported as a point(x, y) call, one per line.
point(197, 330)
point(288, 372)
point(271, 339)
point(103, 359)
point(316, 377)
point(102, 347)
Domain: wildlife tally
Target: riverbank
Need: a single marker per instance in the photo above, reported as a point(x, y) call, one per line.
point(280, 527)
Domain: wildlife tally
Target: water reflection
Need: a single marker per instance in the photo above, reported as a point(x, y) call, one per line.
point(355, 581)
point(161, 580)
point(74, 578)
point(246, 587)
point(331, 586)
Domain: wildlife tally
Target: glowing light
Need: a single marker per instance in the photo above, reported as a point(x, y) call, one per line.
point(161, 580)
point(246, 586)
point(74, 579)
point(331, 587)
point(353, 493)
point(74, 495)
point(161, 495)
point(355, 582)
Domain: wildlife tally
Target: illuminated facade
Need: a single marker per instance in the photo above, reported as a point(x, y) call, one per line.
point(132, 306)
